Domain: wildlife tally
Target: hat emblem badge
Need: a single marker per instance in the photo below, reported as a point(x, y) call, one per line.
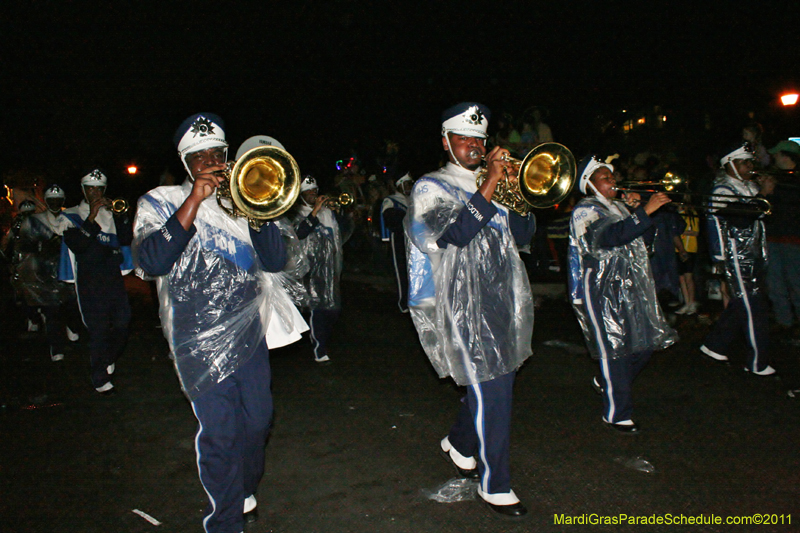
point(202, 126)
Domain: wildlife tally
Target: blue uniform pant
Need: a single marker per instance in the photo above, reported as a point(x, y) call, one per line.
point(106, 315)
point(398, 247)
point(482, 430)
point(617, 377)
point(748, 316)
point(234, 422)
point(321, 323)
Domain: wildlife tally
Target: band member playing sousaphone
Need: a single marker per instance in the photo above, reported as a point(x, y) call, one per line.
point(210, 270)
point(611, 286)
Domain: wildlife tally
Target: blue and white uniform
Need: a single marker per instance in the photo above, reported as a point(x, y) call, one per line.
point(740, 244)
point(321, 242)
point(472, 305)
point(614, 297)
point(216, 304)
point(95, 256)
point(393, 211)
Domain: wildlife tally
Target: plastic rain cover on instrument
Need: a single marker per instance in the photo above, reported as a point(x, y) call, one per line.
point(472, 306)
point(612, 289)
point(216, 304)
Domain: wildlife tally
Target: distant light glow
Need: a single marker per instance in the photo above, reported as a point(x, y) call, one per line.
point(132, 170)
point(641, 121)
point(789, 99)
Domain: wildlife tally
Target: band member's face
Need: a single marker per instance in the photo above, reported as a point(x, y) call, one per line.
point(310, 196)
point(605, 182)
point(93, 193)
point(406, 187)
point(200, 161)
point(54, 205)
point(462, 145)
point(744, 167)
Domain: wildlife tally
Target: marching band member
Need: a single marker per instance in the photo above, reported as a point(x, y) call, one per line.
point(55, 298)
point(611, 287)
point(470, 298)
point(95, 255)
point(210, 270)
point(318, 231)
point(393, 211)
point(738, 242)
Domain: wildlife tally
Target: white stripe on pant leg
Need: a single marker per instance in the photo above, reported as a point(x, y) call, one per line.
point(601, 346)
point(314, 340)
point(480, 430)
point(396, 273)
point(200, 472)
point(751, 330)
point(612, 407)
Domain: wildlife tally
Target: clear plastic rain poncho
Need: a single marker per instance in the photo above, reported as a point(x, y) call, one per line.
point(216, 304)
point(612, 289)
point(743, 250)
point(36, 259)
point(323, 250)
point(472, 306)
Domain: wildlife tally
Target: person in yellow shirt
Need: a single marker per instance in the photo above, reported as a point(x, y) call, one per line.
point(686, 248)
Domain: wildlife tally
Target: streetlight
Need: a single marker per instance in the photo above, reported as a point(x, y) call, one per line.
point(789, 99)
point(132, 169)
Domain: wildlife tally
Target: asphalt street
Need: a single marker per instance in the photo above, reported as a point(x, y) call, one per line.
point(354, 447)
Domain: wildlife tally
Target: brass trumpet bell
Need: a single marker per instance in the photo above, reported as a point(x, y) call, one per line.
point(262, 185)
point(120, 206)
point(547, 175)
point(343, 200)
point(544, 178)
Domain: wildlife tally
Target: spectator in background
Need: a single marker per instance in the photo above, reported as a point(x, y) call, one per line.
point(506, 136)
point(543, 132)
point(783, 236)
point(686, 249)
point(752, 133)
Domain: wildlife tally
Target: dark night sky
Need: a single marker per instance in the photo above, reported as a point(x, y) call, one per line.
point(88, 85)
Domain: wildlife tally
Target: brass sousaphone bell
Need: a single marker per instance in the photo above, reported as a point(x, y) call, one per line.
point(262, 185)
point(544, 178)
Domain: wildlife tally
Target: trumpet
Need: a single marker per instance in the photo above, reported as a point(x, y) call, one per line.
point(730, 203)
point(669, 182)
point(343, 200)
point(120, 206)
point(543, 178)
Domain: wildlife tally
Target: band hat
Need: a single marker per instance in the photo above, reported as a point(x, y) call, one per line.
point(54, 191)
point(786, 146)
point(406, 178)
point(95, 178)
point(201, 131)
point(255, 142)
point(743, 152)
point(26, 207)
point(466, 118)
point(590, 164)
point(308, 184)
